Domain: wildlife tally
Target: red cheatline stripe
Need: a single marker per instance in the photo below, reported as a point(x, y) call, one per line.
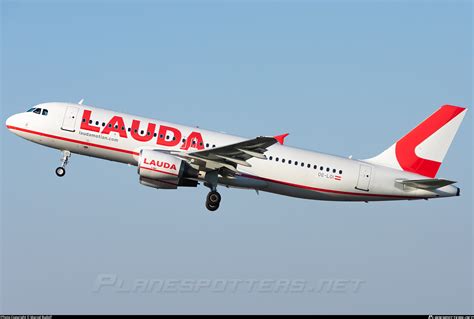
point(73, 140)
point(325, 190)
point(157, 170)
point(245, 175)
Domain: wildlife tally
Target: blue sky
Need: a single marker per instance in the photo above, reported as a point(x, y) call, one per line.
point(346, 78)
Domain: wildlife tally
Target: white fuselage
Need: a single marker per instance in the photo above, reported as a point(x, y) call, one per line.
point(286, 171)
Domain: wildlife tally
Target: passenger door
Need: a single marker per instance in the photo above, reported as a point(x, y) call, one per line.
point(363, 182)
point(69, 121)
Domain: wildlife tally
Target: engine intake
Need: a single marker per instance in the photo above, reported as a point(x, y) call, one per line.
point(160, 170)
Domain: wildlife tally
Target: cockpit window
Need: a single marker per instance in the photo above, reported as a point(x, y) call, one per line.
point(31, 110)
point(45, 112)
point(37, 111)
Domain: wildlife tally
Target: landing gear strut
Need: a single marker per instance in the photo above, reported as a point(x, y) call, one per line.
point(61, 170)
point(213, 198)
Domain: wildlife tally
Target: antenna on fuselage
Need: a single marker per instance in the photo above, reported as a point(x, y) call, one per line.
point(81, 101)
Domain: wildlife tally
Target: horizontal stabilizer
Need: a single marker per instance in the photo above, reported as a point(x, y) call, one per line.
point(431, 183)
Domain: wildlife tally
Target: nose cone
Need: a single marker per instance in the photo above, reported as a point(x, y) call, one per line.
point(13, 122)
point(9, 122)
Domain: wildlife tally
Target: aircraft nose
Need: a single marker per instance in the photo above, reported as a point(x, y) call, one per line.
point(9, 121)
point(12, 122)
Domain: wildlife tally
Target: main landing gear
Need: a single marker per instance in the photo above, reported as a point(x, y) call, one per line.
point(213, 199)
point(61, 170)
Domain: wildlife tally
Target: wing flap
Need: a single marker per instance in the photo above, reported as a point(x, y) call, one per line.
point(229, 156)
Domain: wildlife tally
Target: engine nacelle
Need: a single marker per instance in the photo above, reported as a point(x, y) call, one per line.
point(161, 170)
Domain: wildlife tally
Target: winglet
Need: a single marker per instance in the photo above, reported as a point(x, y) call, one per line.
point(81, 101)
point(281, 138)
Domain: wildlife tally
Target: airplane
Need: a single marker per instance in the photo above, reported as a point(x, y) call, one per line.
point(169, 156)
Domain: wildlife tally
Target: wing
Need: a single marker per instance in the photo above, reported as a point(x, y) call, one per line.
point(431, 183)
point(229, 156)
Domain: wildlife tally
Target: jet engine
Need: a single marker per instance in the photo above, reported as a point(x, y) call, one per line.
point(161, 170)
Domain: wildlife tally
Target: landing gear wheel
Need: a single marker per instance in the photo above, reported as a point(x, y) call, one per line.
point(214, 198)
point(60, 171)
point(213, 201)
point(211, 207)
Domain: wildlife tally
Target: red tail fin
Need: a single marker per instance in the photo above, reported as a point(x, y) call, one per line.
point(423, 149)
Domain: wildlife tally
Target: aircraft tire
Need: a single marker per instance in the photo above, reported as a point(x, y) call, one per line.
point(213, 198)
point(60, 171)
point(211, 207)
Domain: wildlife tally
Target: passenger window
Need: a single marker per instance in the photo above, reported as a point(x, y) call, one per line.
point(309, 165)
point(327, 169)
point(321, 168)
point(289, 161)
point(276, 159)
point(340, 171)
point(334, 170)
point(296, 162)
point(302, 164)
point(45, 112)
point(270, 158)
point(315, 166)
point(283, 160)
point(37, 111)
